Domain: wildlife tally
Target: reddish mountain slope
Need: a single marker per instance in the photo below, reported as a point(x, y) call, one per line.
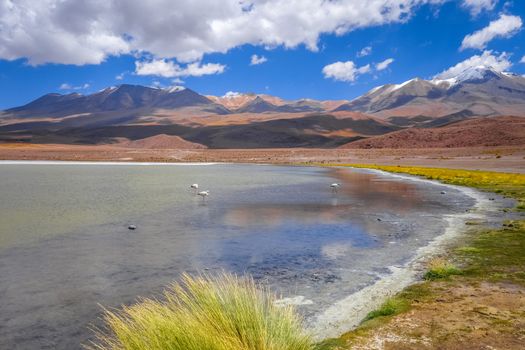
point(496, 131)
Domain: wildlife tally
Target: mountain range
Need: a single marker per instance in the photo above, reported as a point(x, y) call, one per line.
point(128, 113)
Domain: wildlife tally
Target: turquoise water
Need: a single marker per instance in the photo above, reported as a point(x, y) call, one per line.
point(65, 247)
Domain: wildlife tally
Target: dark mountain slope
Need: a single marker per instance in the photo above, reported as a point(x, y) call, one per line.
point(309, 131)
point(121, 98)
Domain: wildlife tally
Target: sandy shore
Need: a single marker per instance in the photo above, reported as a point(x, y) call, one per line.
point(506, 159)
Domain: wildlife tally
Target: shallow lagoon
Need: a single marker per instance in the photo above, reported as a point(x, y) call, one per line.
point(65, 246)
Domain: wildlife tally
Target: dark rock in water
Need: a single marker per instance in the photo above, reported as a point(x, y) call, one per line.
point(378, 219)
point(491, 199)
point(132, 227)
point(443, 192)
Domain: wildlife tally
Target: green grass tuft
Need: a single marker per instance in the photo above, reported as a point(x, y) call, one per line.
point(497, 254)
point(213, 313)
point(440, 268)
point(391, 306)
point(468, 250)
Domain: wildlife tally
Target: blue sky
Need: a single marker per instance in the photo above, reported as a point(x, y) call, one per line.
point(316, 50)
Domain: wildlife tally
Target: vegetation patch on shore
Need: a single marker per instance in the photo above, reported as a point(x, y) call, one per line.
point(391, 306)
point(440, 268)
point(479, 304)
point(224, 312)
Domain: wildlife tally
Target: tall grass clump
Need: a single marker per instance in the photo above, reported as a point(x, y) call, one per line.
point(439, 268)
point(225, 312)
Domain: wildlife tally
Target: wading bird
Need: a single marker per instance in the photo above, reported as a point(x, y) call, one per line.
point(335, 187)
point(194, 187)
point(204, 194)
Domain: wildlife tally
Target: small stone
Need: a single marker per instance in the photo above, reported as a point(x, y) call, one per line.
point(443, 192)
point(132, 227)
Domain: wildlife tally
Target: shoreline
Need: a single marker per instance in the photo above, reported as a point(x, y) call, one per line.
point(501, 158)
point(479, 301)
point(348, 313)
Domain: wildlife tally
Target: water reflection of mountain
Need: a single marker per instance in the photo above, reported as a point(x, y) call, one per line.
point(368, 200)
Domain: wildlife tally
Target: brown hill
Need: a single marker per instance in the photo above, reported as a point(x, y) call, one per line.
point(495, 131)
point(162, 141)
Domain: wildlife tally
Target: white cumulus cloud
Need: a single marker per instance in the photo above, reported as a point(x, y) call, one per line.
point(169, 69)
point(504, 27)
point(198, 69)
point(348, 71)
point(522, 59)
point(52, 31)
point(255, 60)
point(67, 86)
point(163, 68)
point(365, 51)
point(87, 32)
point(344, 71)
point(384, 64)
point(487, 58)
point(477, 6)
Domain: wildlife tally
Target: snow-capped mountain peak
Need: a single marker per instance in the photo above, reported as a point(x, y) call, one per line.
point(470, 75)
point(174, 89)
point(399, 86)
point(463, 91)
point(109, 89)
point(477, 73)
